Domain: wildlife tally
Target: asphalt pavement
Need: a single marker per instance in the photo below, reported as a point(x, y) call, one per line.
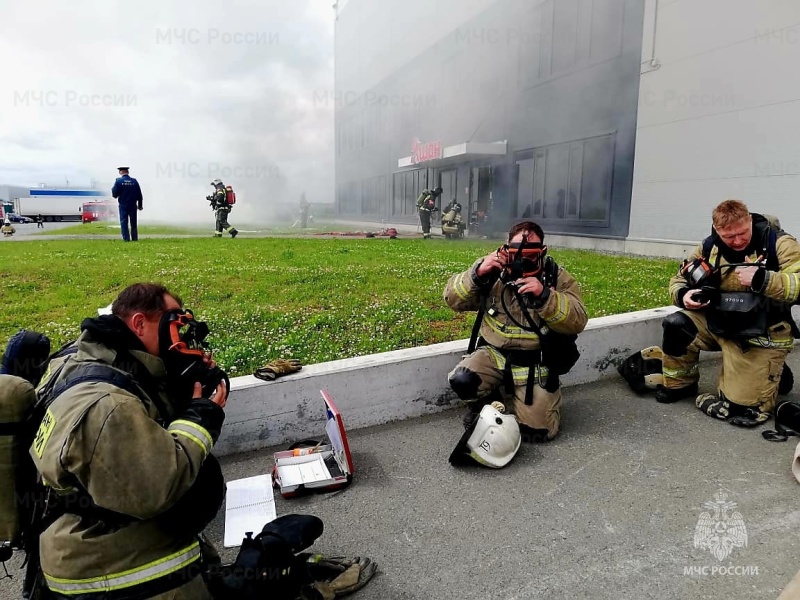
point(610, 509)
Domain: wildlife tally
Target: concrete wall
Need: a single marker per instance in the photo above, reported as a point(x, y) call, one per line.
point(718, 115)
point(380, 388)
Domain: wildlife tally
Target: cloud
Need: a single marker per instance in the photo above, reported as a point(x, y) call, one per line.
point(181, 92)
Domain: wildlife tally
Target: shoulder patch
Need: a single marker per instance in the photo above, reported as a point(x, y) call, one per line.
point(43, 434)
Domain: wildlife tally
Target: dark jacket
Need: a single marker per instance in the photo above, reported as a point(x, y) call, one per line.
point(126, 189)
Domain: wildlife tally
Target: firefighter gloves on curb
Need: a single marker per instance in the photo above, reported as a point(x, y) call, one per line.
point(275, 368)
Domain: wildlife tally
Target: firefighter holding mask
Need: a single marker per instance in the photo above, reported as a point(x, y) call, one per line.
point(125, 446)
point(530, 311)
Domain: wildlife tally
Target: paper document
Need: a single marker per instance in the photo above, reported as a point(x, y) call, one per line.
point(308, 472)
point(249, 505)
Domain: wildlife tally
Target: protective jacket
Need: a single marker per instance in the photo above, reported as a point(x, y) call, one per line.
point(8, 230)
point(127, 191)
point(561, 309)
point(220, 200)
point(134, 460)
point(779, 282)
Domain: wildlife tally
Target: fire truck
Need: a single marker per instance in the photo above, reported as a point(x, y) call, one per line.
point(99, 211)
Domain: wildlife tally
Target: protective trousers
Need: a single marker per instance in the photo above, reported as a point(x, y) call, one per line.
point(425, 221)
point(222, 223)
point(488, 364)
point(751, 370)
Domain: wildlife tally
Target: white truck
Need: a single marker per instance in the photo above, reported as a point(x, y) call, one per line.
point(54, 204)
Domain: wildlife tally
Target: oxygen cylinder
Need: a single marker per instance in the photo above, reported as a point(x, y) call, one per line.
point(16, 399)
point(450, 216)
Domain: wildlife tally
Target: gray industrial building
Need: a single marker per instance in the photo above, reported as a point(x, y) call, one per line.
point(616, 124)
point(519, 109)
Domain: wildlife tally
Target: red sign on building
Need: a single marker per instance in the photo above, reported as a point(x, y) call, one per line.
point(422, 152)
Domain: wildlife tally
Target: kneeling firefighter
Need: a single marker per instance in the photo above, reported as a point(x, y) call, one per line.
point(530, 312)
point(452, 222)
point(735, 292)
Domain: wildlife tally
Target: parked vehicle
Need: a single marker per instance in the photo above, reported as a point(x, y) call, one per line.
point(15, 218)
point(99, 211)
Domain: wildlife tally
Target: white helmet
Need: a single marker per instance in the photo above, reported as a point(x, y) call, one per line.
point(7, 222)
point(493, 439)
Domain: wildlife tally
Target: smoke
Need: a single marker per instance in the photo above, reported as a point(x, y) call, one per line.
point(181, 92)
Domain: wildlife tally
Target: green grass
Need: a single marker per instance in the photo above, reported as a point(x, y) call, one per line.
point(108, 228)
point(314, 299)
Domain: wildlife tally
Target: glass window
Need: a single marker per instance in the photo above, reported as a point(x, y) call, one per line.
point(607, 21)
point(556, 182)
point(575, 172)
point(530, 47)
point(565, 35)
point(598, 160)
point(524, 188)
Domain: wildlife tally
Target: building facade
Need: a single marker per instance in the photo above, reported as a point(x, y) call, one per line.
point(614, 123)
point(518, 109)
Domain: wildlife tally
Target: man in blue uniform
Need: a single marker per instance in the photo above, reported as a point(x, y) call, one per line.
point(127, 191)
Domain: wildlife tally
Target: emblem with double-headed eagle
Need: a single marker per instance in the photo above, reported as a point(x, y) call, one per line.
point(721, 531)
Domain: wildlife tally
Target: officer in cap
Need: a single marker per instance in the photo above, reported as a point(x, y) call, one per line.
point(129, 195)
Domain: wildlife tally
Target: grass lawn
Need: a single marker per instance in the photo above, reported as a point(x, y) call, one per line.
point(314, 299)
point(108, 228)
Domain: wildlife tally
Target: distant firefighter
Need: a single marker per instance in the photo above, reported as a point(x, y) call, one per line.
point(7, 228)
point(222, 200)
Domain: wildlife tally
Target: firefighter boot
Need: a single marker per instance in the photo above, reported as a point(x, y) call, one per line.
point(233, 232)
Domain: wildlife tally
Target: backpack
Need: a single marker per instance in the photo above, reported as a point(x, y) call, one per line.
point(20, 487)
point(230, 195)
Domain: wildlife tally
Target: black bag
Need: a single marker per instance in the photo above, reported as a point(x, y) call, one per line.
point(738, 316)
point(267, 566)
point(787, 422)
point(559, 352)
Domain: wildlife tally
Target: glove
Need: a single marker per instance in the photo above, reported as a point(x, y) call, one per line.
point(278, 367)
point(337, 576)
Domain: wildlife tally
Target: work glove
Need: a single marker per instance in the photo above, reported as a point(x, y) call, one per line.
point(337, 576)
point(276, 368)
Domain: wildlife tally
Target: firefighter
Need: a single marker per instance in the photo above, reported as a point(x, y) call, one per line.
point(7, 229)
point(531, 312)
point(222, 208)
point(131, 464)
point(744, 311)
point(426, 204)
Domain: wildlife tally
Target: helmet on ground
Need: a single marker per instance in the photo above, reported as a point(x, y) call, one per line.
point(643, 370)
point(492, 440)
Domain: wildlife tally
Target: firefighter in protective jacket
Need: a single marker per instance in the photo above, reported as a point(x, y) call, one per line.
point(508, 363)
point(743, 310)
point(221, 208)
point(133, 472)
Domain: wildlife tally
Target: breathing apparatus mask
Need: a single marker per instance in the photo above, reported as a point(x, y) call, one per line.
point(701, 275)
point(183, 349)
point(521, 259)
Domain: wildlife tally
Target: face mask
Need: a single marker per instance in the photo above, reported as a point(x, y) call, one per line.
point(523, 259)
point(183, 348)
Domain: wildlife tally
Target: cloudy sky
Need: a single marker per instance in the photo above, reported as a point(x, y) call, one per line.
point(182, 92)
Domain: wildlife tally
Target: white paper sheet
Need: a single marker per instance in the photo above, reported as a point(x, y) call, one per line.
point(307, 472)
point(249, 505)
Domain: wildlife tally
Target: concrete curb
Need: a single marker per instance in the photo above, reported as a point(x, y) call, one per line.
point(379, 388)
